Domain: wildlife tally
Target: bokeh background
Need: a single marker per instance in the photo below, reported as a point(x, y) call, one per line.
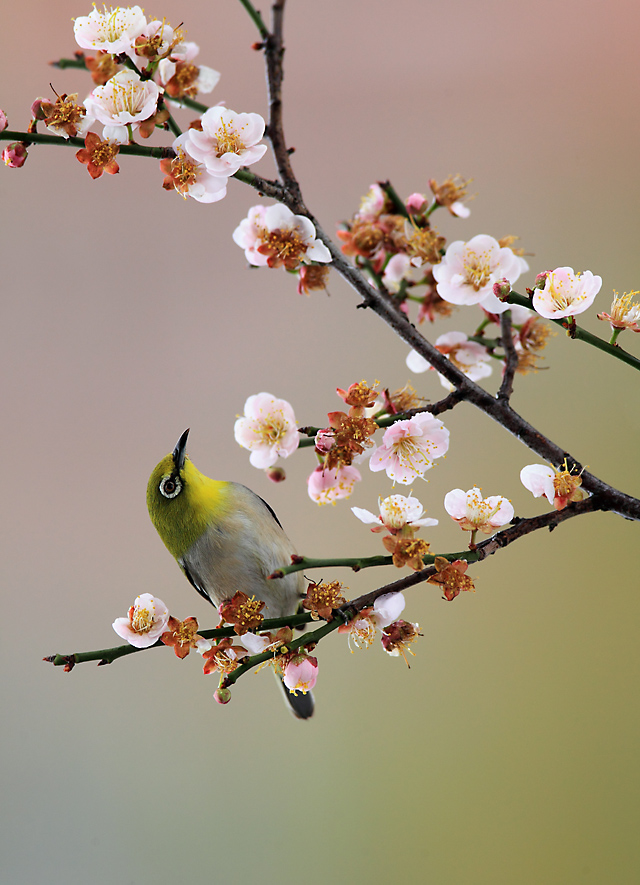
point(509, 751)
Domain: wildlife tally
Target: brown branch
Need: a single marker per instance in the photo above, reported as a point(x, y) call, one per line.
point(511, 362)
point(497, 409)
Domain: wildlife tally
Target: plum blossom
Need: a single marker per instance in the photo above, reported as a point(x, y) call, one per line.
point(409, 447)
point(468, 271)
point(268, 429)
point(227, 140)
point(145, 623)
point(123, 102)
point(396, 513)
point(326, 486)
point(398, 268)
point(3, 120)
point(372, 204)
point(565, 293)
point(625, 312)
point(474, 513)
point(15, 154)
point(385, 610)
point(190, 178)
point(274, 236)
point(560, 487)
point(470, 357)
point(300, 673)
point(114, 30)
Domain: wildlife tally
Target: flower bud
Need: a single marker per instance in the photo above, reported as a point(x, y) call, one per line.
point(502, 289)
point(222, 695)
point(3, 120)
point(276, 474)
point(416, 204)
point(15, 154)
point(541, 279)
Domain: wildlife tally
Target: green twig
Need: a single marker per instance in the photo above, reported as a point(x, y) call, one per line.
point(134, 150)
point(256, 18)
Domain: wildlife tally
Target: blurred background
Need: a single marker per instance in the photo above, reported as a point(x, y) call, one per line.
point(508, 752)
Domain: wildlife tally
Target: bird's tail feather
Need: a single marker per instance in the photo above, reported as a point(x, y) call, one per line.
point(301, 705)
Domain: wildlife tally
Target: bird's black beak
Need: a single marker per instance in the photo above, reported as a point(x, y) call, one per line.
point(180, 451)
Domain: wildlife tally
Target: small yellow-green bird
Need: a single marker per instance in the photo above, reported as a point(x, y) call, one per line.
point(225, 538)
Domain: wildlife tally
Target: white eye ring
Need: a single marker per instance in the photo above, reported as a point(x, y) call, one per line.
point(170, 486)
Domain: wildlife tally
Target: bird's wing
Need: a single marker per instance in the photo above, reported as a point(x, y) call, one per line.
point(193, 582)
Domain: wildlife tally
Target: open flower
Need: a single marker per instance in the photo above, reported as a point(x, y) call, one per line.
point(183, 636)
point(474, 513)
point(451, 577)
point(409, 447)
point(190, 178)
point(123, 102)
point(274, 236)
point(560, 487)
point(268, 429)
point(625, 312)
point(146, 621)
point(98, 156)
point(114, 30)
point(65, 117)
point(396, 513)
point(468, 356)
point(385, 610)
point(468, 271)
point(566, 293)
point(326, 486)
point(227, 140)
point(397, 637)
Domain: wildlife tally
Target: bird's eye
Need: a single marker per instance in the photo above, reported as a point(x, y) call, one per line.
point(170, 486)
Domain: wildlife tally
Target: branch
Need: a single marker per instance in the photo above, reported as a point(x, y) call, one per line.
point(134, 150)
point(511, 362)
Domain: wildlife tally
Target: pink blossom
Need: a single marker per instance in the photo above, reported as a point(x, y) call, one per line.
point(328, 486)
point(146, 621)
point(565, 293)
point(300, 673)
point(268, 429)
point(372, 204)
point(398, 268)
point(114, 30)
point(274, 236)
point(560, 487)
point(227, 140)
point(189, 177)
point(470, 357)
point(124, 101)
point(3, 120)
point(409, 447)
point(472, 512)
point(468, 271)
point(625, 312)
point(396, 512)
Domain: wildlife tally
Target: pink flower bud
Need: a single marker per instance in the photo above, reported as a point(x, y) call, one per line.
point(276, 474)
point(15, 154)
point(3, 120)
point(300, 673)
point(502, 289)
point(222, 695)
point(416, 204)
point(541, 279)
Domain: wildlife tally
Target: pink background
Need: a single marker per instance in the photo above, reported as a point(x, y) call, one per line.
point(508, 752)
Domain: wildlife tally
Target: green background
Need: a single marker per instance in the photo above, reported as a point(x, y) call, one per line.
point(508, 752)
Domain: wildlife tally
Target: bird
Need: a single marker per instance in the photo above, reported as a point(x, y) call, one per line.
point(225, 538)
